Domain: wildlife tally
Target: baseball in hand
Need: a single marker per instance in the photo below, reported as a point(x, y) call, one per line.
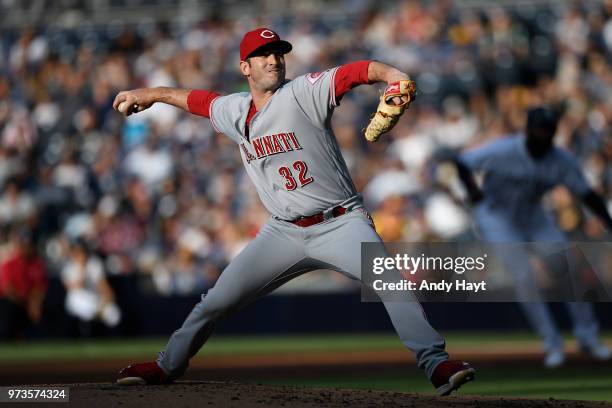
point(124, 108)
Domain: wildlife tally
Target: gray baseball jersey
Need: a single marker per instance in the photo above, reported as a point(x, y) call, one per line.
point(291, 153)
point(293, 158)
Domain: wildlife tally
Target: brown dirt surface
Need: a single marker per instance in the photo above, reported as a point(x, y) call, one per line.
point(229, 394)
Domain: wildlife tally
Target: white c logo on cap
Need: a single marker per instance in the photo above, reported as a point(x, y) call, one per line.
point(267, 34)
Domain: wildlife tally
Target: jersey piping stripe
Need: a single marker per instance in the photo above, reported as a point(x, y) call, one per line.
point(332, 89)
point(210, 115)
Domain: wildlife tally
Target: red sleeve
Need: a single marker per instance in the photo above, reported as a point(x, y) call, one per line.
point(199, 102)
point(349, 76)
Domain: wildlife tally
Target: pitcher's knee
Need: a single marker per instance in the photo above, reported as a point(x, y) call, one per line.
point(214, 306)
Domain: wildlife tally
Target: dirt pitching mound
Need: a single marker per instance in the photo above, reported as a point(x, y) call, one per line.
point(228, 394)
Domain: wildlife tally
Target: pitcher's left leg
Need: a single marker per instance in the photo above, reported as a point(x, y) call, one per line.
point(582, 314)
point(338, 243)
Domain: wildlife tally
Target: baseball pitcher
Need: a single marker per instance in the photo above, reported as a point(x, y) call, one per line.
point(283, 132)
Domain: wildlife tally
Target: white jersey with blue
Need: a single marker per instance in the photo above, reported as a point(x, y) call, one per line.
point(514, 181)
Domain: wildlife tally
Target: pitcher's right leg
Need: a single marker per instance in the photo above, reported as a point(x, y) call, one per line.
point(259, 268)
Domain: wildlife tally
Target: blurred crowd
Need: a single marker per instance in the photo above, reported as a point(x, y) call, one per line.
point(87, 194)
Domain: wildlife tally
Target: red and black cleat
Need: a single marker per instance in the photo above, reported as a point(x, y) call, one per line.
point(450, 375)
point(142, 374)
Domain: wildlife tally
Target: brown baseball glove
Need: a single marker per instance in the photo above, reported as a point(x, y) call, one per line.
point(388, 113)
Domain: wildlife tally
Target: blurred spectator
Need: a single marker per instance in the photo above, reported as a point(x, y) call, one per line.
point(16, 205)
point(23, 284)
point(88, 295)
point(457, 129)
point(186, 272)
point(119, 234)
point(19, 133)
point(150, 162)
point(390, 218)
point(10, 165)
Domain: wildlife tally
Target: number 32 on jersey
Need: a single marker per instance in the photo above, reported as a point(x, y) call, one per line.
point(290, 182)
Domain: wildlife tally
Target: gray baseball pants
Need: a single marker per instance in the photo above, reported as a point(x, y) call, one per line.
point(280, 252)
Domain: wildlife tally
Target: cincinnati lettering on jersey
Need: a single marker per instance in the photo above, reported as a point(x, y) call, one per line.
point(271, 144)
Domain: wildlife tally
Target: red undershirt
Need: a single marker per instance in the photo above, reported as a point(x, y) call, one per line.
point(347, 77)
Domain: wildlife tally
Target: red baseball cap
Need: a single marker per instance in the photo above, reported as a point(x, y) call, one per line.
point(253, 40)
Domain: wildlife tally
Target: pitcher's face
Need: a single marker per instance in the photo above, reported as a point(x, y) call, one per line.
point(265, 69)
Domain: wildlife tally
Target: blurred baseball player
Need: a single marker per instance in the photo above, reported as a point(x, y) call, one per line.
point(283, 130)
point(518, 171)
